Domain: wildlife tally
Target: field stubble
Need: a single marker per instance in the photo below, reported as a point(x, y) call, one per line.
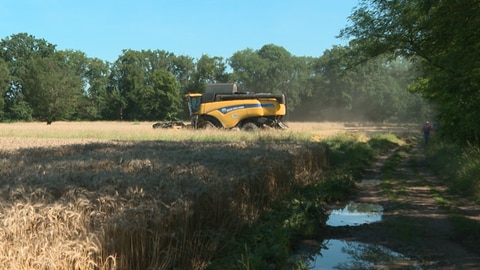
point(117, 195)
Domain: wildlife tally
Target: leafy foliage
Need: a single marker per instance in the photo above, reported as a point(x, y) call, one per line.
point(93, 103)
point(149, 84)
point(337, 185)
point(271, 69)
point(442, 38)
point(265, 245)
point(3, 86)
point(49, 90)
point(343, 90)
point(142, 89)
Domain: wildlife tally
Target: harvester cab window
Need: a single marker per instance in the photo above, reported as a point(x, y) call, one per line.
point(194, 104)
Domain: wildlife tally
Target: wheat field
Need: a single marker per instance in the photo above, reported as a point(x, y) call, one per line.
point(122, 195)
point(35, 134)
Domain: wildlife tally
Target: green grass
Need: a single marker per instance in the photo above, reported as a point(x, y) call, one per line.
point(350, 154)
point(266, 243)
point(458, 166)
point(392, 188)
point(466, 231)
point(439, 198)
point(392, 163)
point(384, 142)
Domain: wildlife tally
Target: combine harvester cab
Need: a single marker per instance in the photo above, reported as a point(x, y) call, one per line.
point(221, 106)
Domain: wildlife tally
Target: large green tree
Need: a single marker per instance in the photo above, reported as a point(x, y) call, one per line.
point(333, 82)
point(17, 51)
point(442, 37)
point(210, 70)
point(271, 69)
point(143, 89)
point(94, 101)
point(207, 70)
point(163, 101)
point(4, 83)
point(51, 87)
point(183, 69)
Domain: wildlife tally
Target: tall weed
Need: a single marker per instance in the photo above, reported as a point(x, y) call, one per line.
point(458, 166)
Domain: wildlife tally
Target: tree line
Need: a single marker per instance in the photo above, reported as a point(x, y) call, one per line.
point(39, 82)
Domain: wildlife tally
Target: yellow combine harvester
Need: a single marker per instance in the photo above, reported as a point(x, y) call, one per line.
point(221, 106)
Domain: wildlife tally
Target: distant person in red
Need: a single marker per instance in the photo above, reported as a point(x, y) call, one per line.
point(426, 131)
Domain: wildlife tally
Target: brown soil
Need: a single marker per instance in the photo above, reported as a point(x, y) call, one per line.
point(414, 223)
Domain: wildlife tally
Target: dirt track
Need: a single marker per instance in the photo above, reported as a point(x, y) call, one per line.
point(414, 223)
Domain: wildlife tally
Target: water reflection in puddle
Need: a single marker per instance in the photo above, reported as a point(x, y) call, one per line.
point(339, 254)
point(355, 214)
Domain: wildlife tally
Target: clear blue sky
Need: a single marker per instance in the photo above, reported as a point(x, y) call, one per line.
point(103, 28)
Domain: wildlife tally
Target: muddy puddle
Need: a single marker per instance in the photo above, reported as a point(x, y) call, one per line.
point(341, 254)
point(355, 214)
